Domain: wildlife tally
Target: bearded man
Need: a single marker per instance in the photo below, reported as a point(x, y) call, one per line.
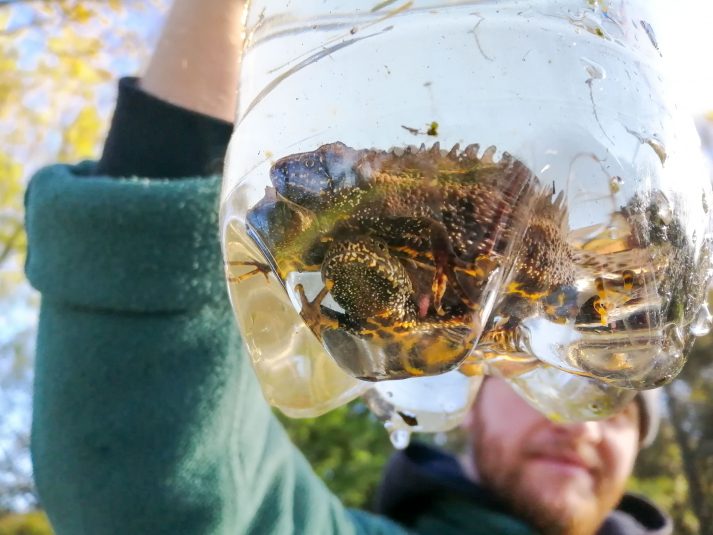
point(523, 469)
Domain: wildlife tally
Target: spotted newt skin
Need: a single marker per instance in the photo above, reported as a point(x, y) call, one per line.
point(406, 242)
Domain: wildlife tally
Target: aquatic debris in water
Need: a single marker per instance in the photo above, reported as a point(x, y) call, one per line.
point(595, 72)
point(431, 130)
point(650, 32)
point(657, 146)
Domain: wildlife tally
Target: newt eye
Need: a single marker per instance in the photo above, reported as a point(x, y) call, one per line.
point(301, 180)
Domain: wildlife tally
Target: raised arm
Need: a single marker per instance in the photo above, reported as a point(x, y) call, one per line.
point(147, 416)
point(196, 62)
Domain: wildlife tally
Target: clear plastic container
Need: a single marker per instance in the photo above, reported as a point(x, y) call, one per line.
point(295, 373)
point(410, 172)
point(422, 404)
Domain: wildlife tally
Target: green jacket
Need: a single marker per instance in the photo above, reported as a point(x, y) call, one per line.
point(148, 418)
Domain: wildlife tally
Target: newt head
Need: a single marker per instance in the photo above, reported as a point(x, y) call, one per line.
point(306, 177)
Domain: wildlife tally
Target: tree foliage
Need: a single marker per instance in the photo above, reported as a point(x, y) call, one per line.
point(659, 476)
point(59, 62)
point(347, 448)
point(33, 523)
point(690, 406)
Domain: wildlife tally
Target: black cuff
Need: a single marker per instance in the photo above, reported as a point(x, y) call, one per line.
point(150, 137)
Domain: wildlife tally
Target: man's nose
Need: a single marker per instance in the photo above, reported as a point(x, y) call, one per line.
point(590, 431)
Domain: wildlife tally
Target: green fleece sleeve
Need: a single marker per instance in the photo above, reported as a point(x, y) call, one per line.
point(147, 416)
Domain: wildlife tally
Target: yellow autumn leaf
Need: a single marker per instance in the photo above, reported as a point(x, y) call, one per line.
point(48, 9)
point(80, 13)
point(81, 70)
point(70, 43)
point(80, 138)
point(8, 93)
point(8, 82)
point(7, 63)
point(10, 181)
point(12, 236)
point(69, 68)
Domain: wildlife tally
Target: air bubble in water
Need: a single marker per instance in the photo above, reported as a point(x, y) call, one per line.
point(701, 325)
point(400, 438)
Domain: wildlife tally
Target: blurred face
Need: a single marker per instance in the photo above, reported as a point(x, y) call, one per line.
point(560, 478)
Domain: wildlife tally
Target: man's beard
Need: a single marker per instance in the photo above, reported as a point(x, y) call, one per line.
point(523, 497)
point(521, 500)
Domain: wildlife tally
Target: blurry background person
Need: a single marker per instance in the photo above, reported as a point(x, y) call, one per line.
point(559, 478)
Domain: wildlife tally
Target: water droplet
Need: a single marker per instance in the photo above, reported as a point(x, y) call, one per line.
point(701, 325)
point(400, 438)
